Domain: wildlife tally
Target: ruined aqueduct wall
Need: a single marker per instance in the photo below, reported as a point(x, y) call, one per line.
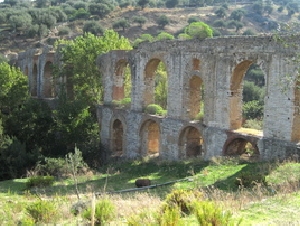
point(218, 65)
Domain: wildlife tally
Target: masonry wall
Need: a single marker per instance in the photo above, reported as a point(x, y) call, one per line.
point(219, 64)
point(222, 63)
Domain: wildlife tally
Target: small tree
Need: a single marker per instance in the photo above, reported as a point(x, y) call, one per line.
point(164, 36)
point(171, 3)
point(238, 26)
point(64, 30)
point(100, 9)
point(258, 8)
point(143, 3)
point(124, 5)
point(231, 24)
point(146, 37)
point(139, 19)
point(221, 12)
point(183, 36)
point(92, 27)
point(248, 32)
point(237, 15)
point(268, 9)
point(163, 20)
point(199, 30)
point(219, 23)
point(75, 161)
point(22, 20)
point(193, 19)
point(121, 23)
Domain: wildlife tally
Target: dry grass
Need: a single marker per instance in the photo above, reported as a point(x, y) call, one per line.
point(256, 205)
point(249, 131)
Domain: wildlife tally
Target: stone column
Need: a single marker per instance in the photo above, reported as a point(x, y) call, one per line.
point(278, 112)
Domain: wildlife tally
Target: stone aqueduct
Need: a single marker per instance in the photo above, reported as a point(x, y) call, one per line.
point(218, 64)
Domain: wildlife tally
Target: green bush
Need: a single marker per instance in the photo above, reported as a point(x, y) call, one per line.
point(154, 109)
point(164, 36)
point(183, 36)
point(248, 179)
point(144, 218)
point(104, 212)
point(126, 101)
point(147, 37)
point(170, 217)
point(27, 221)
point(43, 211)
point(253, 109)
point(39, 181)
point(64, 30)
point(182, 199)
point(208, 213)
point(56, 167)
point(254, 124)
point(193, 19)
point(200, 116)
point(136, 43)
point(248, 32)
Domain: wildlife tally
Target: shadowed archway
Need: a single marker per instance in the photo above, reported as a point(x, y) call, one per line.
point(240, 146)
point(190, 143)
point(117, 138)
point(150, 138)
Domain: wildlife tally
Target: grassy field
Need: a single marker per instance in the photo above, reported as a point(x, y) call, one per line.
point(276, 202)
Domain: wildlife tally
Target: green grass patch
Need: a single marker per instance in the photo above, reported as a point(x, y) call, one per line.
point(277, 210)
point(217, 179)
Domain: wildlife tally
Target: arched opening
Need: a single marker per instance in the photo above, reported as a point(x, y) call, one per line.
point(48, 81)
point(242, 148)
point(195, 98)
point(155, 84)
point(34, 81)
point(150, 138)
point(122, 81)
point(253, 98)
point(295, 137)
point(190, 143)
point(117, 138)
point(236, 89)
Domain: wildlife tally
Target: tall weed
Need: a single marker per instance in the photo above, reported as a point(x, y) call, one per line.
point(104, 212)
point(43, 211)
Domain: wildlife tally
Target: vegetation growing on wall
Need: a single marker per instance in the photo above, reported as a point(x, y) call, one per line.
point(30, 130)
point(253, 97)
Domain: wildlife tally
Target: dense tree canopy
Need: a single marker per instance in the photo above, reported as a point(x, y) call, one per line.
point(14, 87)
point(199, 30)
point(86, 80)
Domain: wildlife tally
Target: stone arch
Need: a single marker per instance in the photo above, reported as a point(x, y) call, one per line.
point(236, 89)
point(254, 89)
point(295, 136)
point(34, 81)
point(195, 96)
point(150, 138)
point(190, 142)
point(117, 139)
point(119, 91)
point(48, 80)
point(149, 80)
point(241, 146)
